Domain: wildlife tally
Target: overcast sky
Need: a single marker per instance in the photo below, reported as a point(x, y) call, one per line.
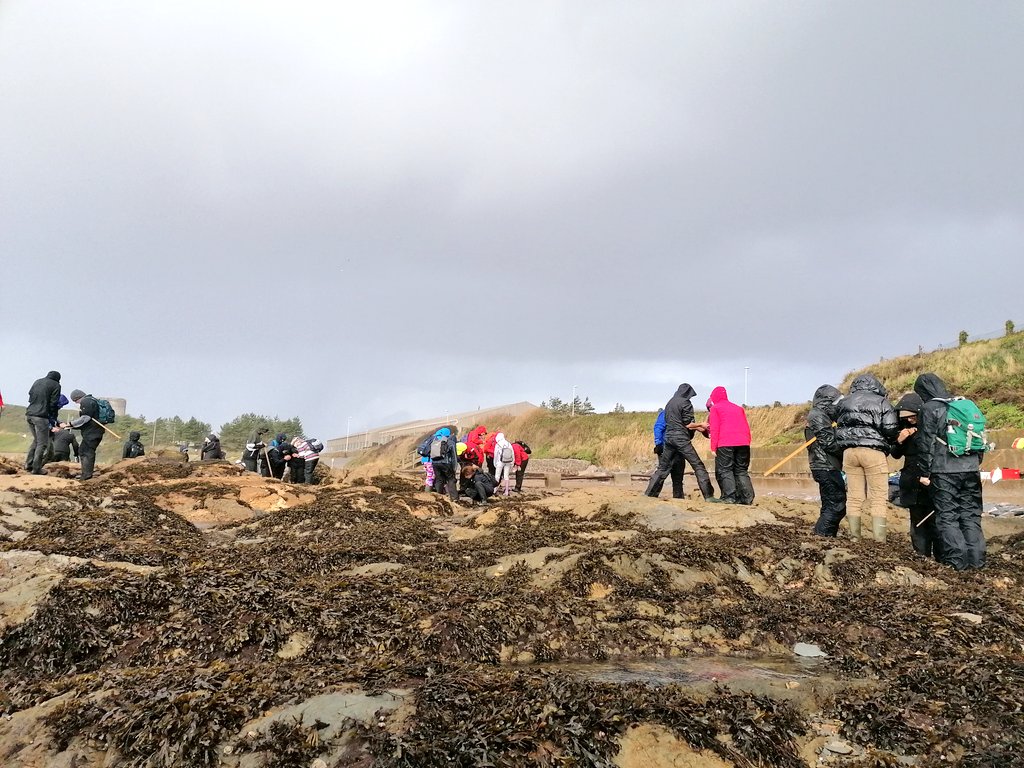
point(386, 210)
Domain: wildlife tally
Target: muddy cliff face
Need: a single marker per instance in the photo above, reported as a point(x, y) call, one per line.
point(190, 616)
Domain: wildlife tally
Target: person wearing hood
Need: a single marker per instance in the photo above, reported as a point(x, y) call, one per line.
point(504, 461)
point(477, 485)
point(282, 455)
point(730, 444)
point(825, 459)
point(488, 448)
point(211, 450)
point(445, 462)
point(133, 447)
point(866, 428)
point(954, 482)
point(912, 495)
point(676, 470)
point(41, 415)
point(254, 450)
point(679, 429)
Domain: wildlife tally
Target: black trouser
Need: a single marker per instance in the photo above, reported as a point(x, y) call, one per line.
point(732, 470)
point(444, 479)
point(520, 474)
point(676, 473)
point(249, 464)
point(490, 463)
point(924, 538)
point(61, 456)
point(956, 497)
point(91, 439)
point(669, 452)
point(39, 426)
point(297, 470)
point(832, 488)
point(310, 466)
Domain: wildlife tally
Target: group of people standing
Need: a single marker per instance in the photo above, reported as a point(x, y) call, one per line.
point(729, 432)
point(52, 439)
point(939, 484)
point(299, 456)
point(456, 465)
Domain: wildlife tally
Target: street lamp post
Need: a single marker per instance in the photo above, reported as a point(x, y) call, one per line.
point(572, 406)
point(348, 433)
point(746, 372)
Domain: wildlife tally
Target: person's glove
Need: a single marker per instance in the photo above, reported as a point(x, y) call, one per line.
point(658, 449)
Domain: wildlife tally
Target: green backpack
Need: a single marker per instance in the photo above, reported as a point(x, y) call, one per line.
point(965, 427)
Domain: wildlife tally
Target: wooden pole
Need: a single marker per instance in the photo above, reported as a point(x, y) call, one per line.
point(107, 428)
point(794, 453)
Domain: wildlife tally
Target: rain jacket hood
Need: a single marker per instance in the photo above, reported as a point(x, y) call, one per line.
point(442, 433)
point(718, 395)
point(134, 436)
point(868, 382)
point(53, 375)
point(929, 387)
point(826, 398)
point(685, 390)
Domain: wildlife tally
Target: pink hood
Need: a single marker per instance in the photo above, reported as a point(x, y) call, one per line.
point(727, 421)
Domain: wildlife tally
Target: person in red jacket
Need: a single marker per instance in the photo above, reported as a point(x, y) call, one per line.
point(522, 452)
point(730, 443)
point(489, 443)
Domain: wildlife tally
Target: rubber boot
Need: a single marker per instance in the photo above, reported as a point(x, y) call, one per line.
point(854, 522)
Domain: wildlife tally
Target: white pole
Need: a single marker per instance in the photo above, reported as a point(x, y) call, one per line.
point(746, 371)
point(348, 433)
point(572, 406)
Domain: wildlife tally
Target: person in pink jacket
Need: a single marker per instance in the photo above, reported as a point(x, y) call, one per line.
point(730, 443)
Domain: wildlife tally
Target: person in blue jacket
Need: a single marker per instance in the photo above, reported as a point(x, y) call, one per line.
point(678, 467)
point(440, 448)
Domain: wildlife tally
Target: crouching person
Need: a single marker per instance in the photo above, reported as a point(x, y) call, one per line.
point(950, 464)
point(912, 495)
point(477, 485)
point(825, 458)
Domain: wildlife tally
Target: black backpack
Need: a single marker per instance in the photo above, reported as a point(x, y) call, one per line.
point(524, 446)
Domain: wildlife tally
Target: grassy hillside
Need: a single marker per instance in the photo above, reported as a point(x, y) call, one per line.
point(989, 372)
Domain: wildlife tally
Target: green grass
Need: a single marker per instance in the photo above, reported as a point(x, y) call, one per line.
point(991, 371)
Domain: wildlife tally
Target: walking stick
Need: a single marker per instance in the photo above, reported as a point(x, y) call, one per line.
point(794, 453)
point(924, 519)
point(81, 423)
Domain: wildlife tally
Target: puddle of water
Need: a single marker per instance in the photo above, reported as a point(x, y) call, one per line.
point(697, 671)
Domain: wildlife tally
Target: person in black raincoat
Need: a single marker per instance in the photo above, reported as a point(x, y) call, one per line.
point(866, 428)
point(825, 459)
point(477, 485)
point(912, 495)
point(133, 447)
point(211, 450)
point(679, 429)
point(954, 482)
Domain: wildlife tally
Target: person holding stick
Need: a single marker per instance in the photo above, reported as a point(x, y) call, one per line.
point(825, 458)
point(92, 432)
point(913, 495)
